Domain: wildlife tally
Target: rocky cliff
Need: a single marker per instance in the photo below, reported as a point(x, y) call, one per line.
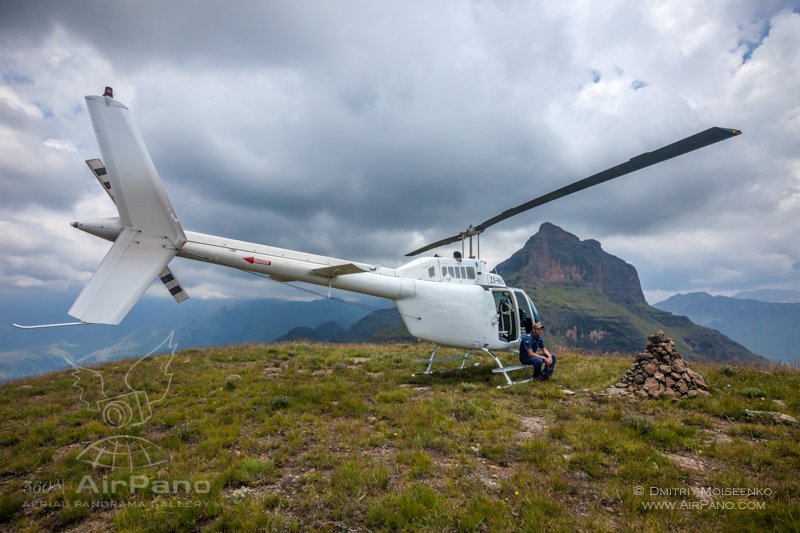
point(555, 256)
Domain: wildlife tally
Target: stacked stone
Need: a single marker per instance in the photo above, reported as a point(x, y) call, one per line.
point(660, 371)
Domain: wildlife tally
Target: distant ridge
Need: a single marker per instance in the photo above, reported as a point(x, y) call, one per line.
point(769, 329)
point(776, 296)
point(384, 325)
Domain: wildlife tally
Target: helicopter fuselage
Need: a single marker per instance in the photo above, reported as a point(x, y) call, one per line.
point(448, 301)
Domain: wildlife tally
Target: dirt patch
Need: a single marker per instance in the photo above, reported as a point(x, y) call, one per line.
point(490, 475)
point(423, 392)
point(97, 522)
point(532, 426)
point(687, 462)
point(62, 452)
point(271, 371)
point(719, 437)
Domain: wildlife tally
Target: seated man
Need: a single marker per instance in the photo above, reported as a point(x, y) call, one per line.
point(531, 342)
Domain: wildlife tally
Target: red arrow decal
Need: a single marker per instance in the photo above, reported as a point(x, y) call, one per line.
point(254, 260)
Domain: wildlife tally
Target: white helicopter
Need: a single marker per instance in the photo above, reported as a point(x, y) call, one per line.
point(449, 301)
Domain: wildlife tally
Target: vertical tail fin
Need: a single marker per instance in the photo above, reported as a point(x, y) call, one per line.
point(151, 234)
point(138, 192)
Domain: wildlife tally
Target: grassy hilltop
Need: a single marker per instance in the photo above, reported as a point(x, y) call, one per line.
point(301, 437)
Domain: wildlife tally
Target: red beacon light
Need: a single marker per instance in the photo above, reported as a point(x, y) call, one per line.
point(109, 92)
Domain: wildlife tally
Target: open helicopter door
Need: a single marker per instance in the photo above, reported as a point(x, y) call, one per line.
point(527, 311)
point(513, 310)
point(507, 316)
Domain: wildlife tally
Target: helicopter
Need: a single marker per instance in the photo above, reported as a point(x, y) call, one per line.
point(454, 302)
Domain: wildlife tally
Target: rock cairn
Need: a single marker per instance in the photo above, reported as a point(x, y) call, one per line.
point(660, 371)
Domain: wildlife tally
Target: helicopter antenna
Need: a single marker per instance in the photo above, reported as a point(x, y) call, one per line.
point(689, 144)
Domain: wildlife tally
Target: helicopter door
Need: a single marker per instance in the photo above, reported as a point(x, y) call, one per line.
point(507, 317)
point(525, 311)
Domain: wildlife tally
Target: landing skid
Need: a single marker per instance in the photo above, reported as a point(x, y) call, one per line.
point(433, 359)
point(499, 370)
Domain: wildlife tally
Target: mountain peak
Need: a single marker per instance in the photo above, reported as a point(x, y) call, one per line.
point(551, 231)
point(556, 256)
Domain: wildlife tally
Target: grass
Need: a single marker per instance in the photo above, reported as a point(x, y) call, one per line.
point(331, 437)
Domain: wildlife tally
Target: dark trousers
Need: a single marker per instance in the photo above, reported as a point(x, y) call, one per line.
point(537, 363)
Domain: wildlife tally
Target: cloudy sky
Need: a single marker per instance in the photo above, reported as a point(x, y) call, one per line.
point(364, 129)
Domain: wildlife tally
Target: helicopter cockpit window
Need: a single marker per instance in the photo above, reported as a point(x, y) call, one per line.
point(470, 272)
point(458, 272)
point(431, 272)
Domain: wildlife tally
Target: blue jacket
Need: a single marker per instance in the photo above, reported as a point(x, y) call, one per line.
point(532, 342)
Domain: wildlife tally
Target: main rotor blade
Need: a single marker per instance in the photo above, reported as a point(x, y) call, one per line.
point(689, 144)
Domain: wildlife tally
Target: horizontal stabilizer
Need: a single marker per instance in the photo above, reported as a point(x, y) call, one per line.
point(173, 286)
point(100, 172)
point(129, 268)
point(339, 270)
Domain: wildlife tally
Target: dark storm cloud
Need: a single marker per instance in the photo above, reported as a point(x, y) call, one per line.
point(362, 129)
point(202, 32)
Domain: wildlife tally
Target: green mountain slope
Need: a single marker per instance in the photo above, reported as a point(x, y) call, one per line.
point(330, 437)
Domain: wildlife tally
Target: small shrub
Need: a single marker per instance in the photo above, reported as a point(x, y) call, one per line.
point(590, 462)
point(753, 392)
point(9, 505)
point(279, 402)
point(70, 515)
point(412, 509)
point(391, 397)
point(697, 421)
point(8, 439)
point(249, 469)
point(186, 432)
point(419, 462)
point(638, 424)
